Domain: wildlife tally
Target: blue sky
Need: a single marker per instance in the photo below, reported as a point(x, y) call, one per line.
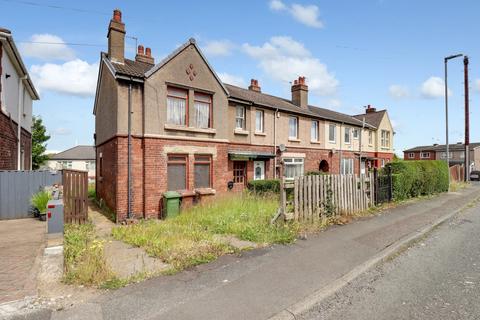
point(385, 53)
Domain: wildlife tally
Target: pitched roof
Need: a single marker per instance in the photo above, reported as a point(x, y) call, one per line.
point(442, 147)
point(263, 99)
point(372, 118)
point(132, 68)
point(76, 153)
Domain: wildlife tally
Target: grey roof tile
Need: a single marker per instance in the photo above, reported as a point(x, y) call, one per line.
point(76, 153)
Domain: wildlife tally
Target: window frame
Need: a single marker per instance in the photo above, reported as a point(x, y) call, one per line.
point(411, 155)
point(210, 169)
point(169, 95)
point(351, 166)
point(334, 126)
point(425, 153)
point(370, 137)
point(292, 161)
point(243, 118)
point(210, 107)
point(185, 162)
point(355, 133)
point(317, 131)
point(385, 139)
point(262, 123)
point(296, 127)
point(349, 131)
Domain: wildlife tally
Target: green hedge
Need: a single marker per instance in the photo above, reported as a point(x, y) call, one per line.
point(417, 178)
point(264, 186)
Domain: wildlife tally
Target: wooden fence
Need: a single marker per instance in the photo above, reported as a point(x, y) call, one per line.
point(75, 196)
point(310, 197)
point(457, 173)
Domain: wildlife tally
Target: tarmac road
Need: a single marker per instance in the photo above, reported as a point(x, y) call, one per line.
point(438, 278)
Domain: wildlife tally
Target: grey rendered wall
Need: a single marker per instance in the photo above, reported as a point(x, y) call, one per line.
point(17, 187)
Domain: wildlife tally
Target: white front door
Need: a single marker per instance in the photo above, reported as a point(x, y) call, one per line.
point(259, 170)
point(362, 167)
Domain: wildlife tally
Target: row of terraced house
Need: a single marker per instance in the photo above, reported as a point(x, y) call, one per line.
point(195, 134)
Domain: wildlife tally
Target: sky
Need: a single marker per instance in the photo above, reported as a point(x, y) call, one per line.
point(386, 53)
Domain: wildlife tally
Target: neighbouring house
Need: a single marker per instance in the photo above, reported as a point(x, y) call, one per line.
point(192, 133)
point(16, 95)
point(76, 158)
point(439, 152)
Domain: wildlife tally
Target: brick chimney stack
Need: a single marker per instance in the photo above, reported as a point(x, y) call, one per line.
point(145, 57)
point(370, 109)
point(300, 93)
point(116, 38)
point(254, 86)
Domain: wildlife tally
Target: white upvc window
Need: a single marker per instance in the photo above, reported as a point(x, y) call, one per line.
point(293, 128)
point(314, 131)
point(385, 138)
point(346, 166)
point(425, 155)
point(355, 133)
point(240, 117)
point(347, 135)
point(259, 120)
point(293, 167)
point(332, 132)
point(411, 155)
point(370, 137)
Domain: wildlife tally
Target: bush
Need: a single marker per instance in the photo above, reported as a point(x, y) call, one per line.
point(417, 178)
point(264, 186)
point(40, 200)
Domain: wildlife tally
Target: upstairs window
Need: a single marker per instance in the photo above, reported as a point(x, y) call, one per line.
point(203, 110)
point(293, 128)
point(370, 138)
point(240, 117)
point(314, 131)
point(177, 102)
point(347, 135)
point(385, 139)
point(332, 132)
point(355, 133)
point(177, 172)
point(259, 121)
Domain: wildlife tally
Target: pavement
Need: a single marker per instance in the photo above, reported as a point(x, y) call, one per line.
point(265, 282)
point(21, 247)
point(438, 278)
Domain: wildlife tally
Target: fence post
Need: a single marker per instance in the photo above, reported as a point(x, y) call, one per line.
point(375, 186)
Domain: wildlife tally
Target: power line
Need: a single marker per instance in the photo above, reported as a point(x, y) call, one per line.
point(36, 4)
point(69, 44)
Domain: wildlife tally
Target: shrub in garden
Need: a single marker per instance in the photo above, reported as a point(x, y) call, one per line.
point(40, 200)
point(417, 178)
point(264, 186)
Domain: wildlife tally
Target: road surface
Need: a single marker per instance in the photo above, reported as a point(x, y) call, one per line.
point(438, 278)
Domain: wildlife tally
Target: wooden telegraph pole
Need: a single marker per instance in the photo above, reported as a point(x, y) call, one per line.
point(467, 121)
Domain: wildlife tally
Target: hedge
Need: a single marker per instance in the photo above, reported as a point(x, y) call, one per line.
point(264, 186)
point(417, 178)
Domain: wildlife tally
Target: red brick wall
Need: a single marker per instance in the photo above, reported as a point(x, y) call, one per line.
point(417, 155)
point(106, 173)
point(8, 144)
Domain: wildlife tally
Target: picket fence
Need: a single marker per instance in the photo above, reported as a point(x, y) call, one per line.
point(317, 196)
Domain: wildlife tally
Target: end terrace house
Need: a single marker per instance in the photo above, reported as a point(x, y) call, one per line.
point(16, 96)
point(190, 132)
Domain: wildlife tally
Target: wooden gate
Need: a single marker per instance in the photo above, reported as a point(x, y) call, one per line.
point(319, 196)
point(75, 196)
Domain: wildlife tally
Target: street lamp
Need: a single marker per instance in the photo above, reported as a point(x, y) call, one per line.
point(446, 112)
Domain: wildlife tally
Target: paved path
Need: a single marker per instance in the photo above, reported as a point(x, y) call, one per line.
point(263, 282)
point(439, 278)
point(21, 244)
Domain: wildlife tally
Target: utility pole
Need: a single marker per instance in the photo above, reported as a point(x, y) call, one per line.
point(467, 121)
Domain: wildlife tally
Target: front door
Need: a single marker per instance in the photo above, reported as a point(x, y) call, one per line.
point(362, 167)
point(259, 170)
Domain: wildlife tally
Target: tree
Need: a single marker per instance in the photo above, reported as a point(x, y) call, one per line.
point(39, 139)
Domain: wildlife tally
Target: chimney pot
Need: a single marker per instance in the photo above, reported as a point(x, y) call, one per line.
point(148, 52)
point(140, 49)
point(370, 109)
point(254, 85)
point(117, 15)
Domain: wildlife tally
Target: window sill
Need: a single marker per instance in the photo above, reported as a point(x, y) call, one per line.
point(294, 140)
point(263, 134)
point(315, 142)
point(241, 132)
point(332, 142)
point(186, 193)
point(205, 191)
point(175, 127)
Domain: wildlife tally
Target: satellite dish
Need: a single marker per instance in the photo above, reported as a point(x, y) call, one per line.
point(282, 147)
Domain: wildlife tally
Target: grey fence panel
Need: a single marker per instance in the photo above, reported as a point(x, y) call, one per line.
point(17, 188)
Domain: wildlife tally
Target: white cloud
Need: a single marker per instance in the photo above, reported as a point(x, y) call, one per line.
point(76, 77)
point(398, 91)
point(62, 131)
point(47, 47)
point(434, 87)
point(334, 103)
point(285, 59)
point(218, 48)
point(277, 5)
point(309, 15)
point(231, 79)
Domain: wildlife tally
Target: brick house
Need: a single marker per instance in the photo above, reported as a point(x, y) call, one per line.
point(439, 152)
point(193, 133)
point(16, 95)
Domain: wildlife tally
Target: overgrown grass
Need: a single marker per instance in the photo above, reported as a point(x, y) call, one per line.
point(40, 200)
point(456, 186)
point(188, 239)
point(92, 194)
point(83, 256)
